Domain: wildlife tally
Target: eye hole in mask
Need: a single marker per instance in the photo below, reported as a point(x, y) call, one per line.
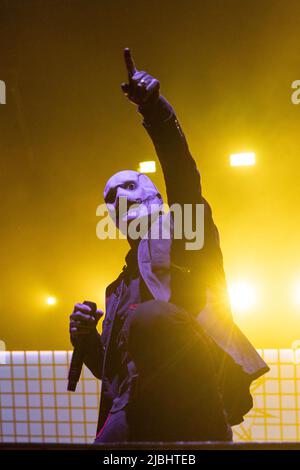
point(131, 185)
point(111, 195)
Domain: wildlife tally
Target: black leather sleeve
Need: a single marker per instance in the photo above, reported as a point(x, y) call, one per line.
point(179, 168)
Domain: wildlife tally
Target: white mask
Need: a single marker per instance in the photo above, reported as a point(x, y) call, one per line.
point(137, 189)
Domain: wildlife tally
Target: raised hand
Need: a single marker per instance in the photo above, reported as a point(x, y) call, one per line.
point(142, 88)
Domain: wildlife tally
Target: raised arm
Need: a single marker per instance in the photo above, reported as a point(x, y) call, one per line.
point(180, 172)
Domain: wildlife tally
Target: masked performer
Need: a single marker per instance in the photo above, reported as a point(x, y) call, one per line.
point(173, 364)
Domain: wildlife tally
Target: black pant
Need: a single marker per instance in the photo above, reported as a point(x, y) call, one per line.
point(177, 397)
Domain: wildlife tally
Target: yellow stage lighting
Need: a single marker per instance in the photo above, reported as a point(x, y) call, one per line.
point(242, 296)
point(297, 293)
point(51, 300)
point(242, 159)
point(147, 167)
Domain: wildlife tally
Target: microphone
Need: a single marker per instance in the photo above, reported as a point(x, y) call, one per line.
point(78, 354)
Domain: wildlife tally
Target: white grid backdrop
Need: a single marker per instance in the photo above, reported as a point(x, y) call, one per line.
point(36, 407)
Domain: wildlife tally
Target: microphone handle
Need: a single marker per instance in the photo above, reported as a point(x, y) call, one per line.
point(78, 355)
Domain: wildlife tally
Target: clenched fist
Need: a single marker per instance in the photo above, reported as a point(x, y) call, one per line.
point(142, 89)
point(83, 321)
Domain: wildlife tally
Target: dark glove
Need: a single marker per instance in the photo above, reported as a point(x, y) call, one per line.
point(141, 89)
point(82, 322)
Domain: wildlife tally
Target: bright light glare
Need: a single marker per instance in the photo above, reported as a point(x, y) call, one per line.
point(242, 159)
point(147, 167)
point(51, 300)
point(242, 296)
point(297, 293)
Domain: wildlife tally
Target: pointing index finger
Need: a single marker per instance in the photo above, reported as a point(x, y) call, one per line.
point(129, 62)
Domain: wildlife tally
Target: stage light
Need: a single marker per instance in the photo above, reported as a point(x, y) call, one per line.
point(51, 300)
point(147, 167)
point(242, 159)
point(242, 296)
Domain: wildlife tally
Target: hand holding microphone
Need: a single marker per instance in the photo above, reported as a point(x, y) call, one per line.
point(83, 322)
